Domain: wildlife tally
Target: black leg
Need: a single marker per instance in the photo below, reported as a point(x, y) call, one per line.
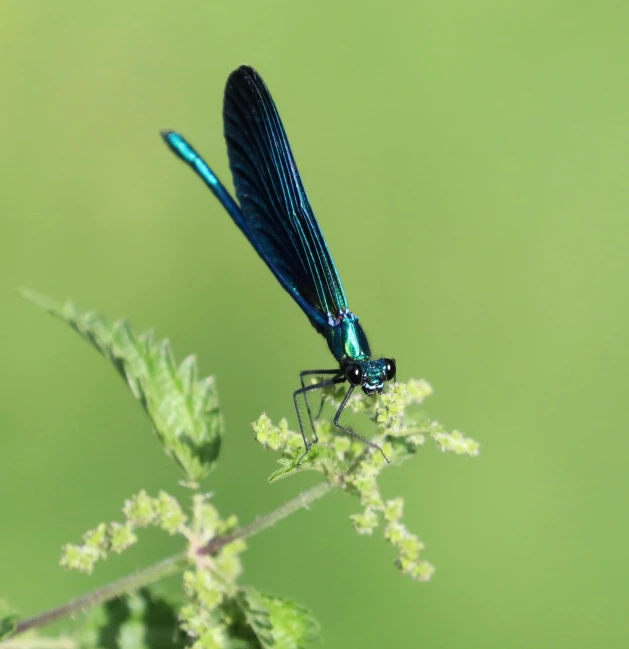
point(349, 431)
point(303, 390)
point(303, 385)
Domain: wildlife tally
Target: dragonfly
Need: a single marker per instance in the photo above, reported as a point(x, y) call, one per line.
point(274, 213)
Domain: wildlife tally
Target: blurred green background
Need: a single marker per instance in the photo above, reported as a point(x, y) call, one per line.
point(468, 163)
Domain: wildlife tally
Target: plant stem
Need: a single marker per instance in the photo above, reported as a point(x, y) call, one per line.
point(263, 522)
point(173, 564)
point(153, 573)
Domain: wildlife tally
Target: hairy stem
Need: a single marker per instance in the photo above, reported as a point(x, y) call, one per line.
point(153, 573)
point(173, 564)
point(263, 522)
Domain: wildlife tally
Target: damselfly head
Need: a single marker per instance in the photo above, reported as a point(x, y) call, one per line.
point(370, 375)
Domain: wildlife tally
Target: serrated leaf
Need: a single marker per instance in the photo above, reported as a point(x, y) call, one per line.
point(277, 623)
point(142, 620)
point(184, 410)
point(293, 625)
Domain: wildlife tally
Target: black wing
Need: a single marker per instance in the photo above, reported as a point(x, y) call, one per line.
point(275, 209)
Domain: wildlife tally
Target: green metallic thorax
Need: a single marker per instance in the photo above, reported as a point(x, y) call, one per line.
point(347, 340)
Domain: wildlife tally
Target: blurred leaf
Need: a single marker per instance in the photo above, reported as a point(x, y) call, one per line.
point(184, 409)
point(8, 620)
point(142, 620)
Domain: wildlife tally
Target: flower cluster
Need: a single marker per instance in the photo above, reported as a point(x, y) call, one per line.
point(351, 465)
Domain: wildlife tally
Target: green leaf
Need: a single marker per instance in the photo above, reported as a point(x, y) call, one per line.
point(275, 622)
point(8, 620)
point(293, 625)
point(8, 625)
point(318, 459)
point(184, 409)
point(142, 620)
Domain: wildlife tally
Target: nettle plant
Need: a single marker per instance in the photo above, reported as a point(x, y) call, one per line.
point(215, 608)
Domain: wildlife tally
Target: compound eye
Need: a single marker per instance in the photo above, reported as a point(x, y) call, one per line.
point(354, 373)
point(389, 368)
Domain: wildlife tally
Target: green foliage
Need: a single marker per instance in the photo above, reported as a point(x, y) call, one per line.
point(8, 620)
point(247, 619)
point(138, 620)
point(215, 611)
point(184, 409)
point(270, 622)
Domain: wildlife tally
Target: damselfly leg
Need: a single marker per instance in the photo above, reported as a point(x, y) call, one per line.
point(304, 390)
point(303, 374)
point(349, 431)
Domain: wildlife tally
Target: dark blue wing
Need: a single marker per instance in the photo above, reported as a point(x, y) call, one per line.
point(179, 145)
point(277, 217)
